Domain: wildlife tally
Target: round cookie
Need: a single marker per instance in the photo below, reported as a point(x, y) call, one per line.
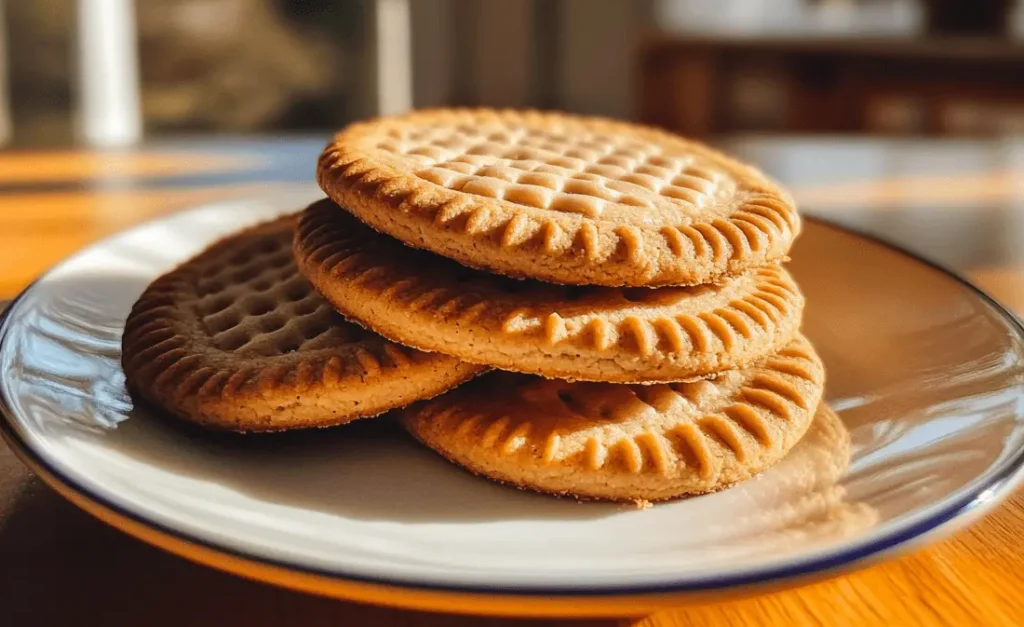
point(621, 442)
point(559, 198)
point(590, 333)
point(236, 339)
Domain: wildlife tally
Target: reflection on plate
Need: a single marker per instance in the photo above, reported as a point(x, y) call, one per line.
point(924, 377)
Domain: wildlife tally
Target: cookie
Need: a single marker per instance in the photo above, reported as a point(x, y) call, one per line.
point(593, 333)
point(622, 442)
point(236, 339)
point(559, 198)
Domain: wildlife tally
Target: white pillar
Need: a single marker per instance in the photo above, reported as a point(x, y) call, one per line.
point(109, 107)
point(393, 40)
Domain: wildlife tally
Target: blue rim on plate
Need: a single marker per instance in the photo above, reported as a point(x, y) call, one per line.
point(974, 502)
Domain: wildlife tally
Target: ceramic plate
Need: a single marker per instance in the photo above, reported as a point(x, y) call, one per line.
point(924, 373)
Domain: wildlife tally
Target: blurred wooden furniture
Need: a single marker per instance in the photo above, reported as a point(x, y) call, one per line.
point(950, 86)
point(960, 203)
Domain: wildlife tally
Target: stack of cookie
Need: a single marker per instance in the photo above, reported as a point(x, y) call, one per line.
point(626, 280)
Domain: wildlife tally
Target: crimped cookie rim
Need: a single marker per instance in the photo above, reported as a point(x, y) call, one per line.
point(800, 350)
point(758, 312)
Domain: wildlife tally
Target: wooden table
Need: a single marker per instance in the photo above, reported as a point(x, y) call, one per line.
point(960, 203)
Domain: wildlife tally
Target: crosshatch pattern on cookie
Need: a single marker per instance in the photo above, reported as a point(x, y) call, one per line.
point(253, 302)
point(583, 192)
point(240, 322)
point(626, 442)
point(642, 334)
point(584, 172)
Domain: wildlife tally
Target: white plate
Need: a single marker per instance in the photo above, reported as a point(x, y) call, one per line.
point(924, 370)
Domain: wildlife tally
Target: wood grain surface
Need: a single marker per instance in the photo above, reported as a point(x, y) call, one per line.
point(58, 565)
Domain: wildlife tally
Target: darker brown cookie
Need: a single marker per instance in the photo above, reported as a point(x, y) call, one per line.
point(235, 338)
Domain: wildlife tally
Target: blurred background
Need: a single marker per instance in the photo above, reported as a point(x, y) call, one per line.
point(112, 71)
point(898, 117)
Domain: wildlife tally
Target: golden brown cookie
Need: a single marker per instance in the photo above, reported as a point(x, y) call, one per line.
point(626, 442)
point(559, 198)
point(236, 339)
point(590, 333)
